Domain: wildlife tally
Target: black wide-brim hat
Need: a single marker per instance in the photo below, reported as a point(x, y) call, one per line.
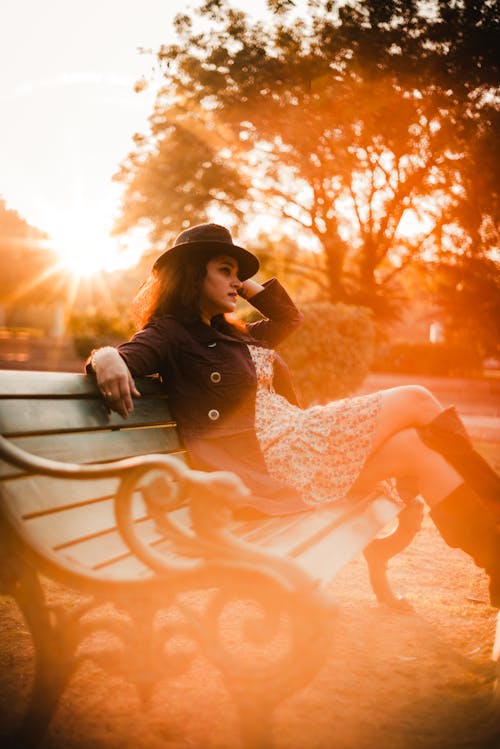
point(208, 240)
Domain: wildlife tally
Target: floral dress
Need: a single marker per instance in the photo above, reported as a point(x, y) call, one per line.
point(320, 450)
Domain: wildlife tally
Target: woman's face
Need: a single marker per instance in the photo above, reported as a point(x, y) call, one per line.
point(220, 286)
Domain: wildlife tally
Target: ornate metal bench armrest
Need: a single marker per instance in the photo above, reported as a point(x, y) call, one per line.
point(210, 497)
point(208, 542)
point(45, 466)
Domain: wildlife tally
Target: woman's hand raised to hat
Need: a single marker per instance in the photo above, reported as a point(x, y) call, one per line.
point(249, 288)
point(114, 380)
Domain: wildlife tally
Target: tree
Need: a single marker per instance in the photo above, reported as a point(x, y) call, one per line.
point(348, 122)
point(29, 268)
point(468, 291)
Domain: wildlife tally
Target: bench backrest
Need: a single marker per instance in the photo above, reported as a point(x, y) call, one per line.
point(62, 416)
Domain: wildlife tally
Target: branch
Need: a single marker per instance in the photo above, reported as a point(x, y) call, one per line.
point(389, 276)
point(370, 202)
point(385, 240)
point(229, 204)
point(356, 210)
point(296, 219)
point(300, 270)
point(409, 257)
point(275, 192)
point(387, 176)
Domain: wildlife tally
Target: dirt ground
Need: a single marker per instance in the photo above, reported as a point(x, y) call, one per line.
point(389, 680)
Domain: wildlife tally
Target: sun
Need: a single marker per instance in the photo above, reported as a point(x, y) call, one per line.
point(84, 251)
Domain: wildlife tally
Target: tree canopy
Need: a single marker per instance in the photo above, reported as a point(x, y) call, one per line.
point(367, 131)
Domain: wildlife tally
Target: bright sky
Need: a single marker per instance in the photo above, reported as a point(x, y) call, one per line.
point(67, 71)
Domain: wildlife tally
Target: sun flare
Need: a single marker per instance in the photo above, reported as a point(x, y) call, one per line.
point(84, 252)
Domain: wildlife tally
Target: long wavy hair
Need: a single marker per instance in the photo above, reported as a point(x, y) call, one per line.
point(174, 289)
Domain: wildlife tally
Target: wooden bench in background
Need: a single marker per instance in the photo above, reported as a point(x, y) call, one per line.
point(110, 509)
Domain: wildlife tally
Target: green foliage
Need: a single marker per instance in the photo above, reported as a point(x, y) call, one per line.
point(330, 355)
point(94, 329)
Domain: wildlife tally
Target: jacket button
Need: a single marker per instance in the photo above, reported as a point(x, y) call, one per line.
point(215, 376)
point(213, 414)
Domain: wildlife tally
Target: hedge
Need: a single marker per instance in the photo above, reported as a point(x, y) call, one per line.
point(441, 359)
point(329, 356)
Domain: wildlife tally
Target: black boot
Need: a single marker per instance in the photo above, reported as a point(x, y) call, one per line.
point(447, 435)
point(465, 523)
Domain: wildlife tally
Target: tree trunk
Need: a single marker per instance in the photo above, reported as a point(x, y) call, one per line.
point(334, 254)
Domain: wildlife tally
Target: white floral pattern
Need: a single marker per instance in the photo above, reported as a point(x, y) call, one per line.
point(320, 450)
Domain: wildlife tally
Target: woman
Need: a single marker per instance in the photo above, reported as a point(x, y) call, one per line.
point(235, 407)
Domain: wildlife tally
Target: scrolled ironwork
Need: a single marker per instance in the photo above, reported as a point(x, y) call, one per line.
point(265, 641)
point(279, 606)
point(206, 537)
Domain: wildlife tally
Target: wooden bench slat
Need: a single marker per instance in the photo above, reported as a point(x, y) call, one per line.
point(94, 553)
point(252, 530)
point(50, 416)
point(19, 383)
point(96, 446)
point(128, 568)
point(31, 495)
point(323, 558)
point(110, 555)
point(68, 525)
point(321, 541)
point(280, 532)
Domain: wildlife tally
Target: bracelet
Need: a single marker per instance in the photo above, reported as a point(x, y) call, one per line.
point(96, 351)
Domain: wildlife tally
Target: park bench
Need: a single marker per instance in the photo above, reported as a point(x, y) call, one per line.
point(110, 509)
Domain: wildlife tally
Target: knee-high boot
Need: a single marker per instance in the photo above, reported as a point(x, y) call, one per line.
point(447, 435)
point(465, 523)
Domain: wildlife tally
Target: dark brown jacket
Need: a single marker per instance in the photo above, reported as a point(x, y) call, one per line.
point(211, 382)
